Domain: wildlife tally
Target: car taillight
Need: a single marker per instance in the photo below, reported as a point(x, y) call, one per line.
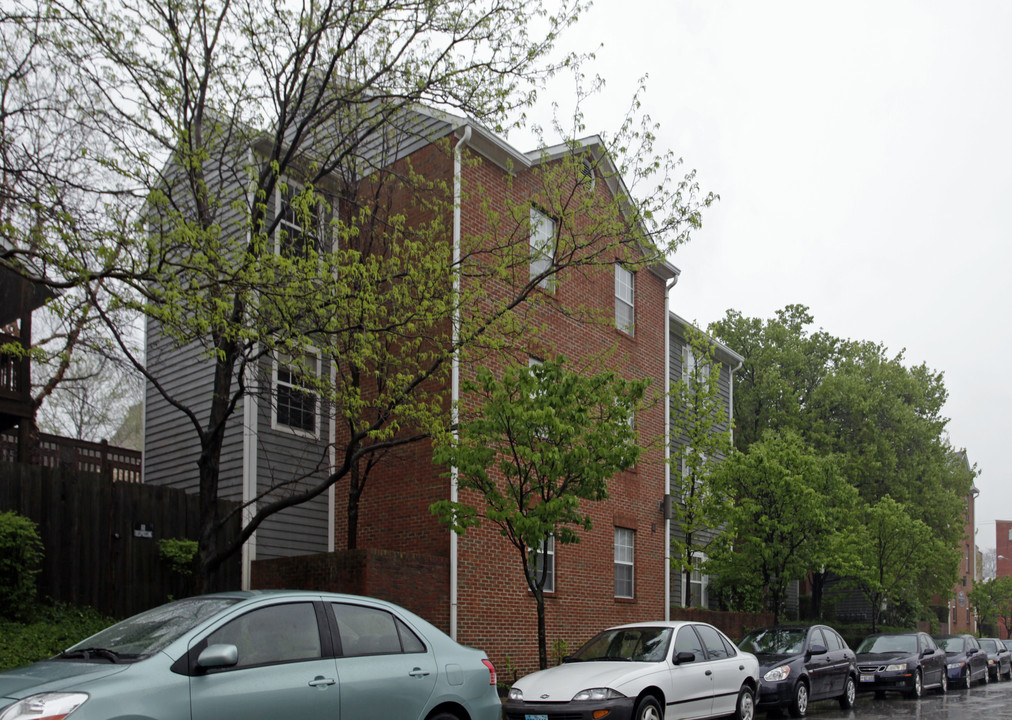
point(491, 671)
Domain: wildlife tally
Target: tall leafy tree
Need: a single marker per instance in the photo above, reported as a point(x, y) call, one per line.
point(787, 510)
point(200, 114)
point(992, 600)
point(539, 443)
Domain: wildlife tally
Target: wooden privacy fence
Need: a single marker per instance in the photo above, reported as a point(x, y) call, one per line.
point(55, 451)
point(101, 536)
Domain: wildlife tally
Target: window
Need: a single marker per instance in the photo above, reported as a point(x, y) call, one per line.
point(274, 634)
point(715, 647)
point(368, 631)
point(294, 239)
point(694, 368)
point(625, 300)
point(698, 583)
point(542, 248)
point(544, 561)
point(688, 641)
point(295, 406)
point(625, 540)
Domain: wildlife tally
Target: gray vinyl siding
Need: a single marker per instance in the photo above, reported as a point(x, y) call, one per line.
point(677, 344)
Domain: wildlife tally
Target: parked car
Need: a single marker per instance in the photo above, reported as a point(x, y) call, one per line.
point(999, 659)
point(799, 665)
point(1008, 644)
point(260, 654)
point(643, 671)
point(908, 662)
point(967, 663)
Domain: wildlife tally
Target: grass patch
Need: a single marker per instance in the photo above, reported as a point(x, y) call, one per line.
point(45, 631)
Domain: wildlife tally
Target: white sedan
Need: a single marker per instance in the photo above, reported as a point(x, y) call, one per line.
point(644, 671)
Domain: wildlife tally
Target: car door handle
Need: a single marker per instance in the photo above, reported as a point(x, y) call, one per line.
point(320, 681)
point(418, 672)
point(709, 672)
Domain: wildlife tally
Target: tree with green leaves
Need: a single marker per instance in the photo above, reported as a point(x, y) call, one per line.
point(992, 600)
point(898, 553)
point(255, 198)
point(701, 438)
point(787, 507)
point(534, 446)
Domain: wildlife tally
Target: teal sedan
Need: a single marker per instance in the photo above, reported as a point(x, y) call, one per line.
point(260, 655)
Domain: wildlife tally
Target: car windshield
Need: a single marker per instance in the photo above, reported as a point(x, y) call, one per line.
point(634, 644)
point(952, 645)
point(774, 641)
point(989, 645)
point(888, 644)
point(150, 631)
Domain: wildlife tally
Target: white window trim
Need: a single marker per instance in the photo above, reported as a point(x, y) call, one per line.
point(294, 188)
point(689, 364)
point(547, 549)
point(542, 247)
point(285, 428)
point(631, 564)
point(703, 581)
point(625, 280)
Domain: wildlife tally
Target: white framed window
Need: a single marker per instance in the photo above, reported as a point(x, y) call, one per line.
point(293, 238)
point(296, 406)
point(693, 366)
point(542, 247)
point(544, 562)
point(699, 583)
point(625, 553)
point(625, 300)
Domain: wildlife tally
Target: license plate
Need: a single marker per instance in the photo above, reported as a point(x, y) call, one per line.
point(535, 717)
point(867, 678)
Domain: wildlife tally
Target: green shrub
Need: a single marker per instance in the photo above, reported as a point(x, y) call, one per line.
point(21, 556)
point(179, 553)
point(47, 631)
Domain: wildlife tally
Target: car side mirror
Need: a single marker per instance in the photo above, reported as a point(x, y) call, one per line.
point(927, 651)
point(218, 656)
point(971, 651)
point(817, 650)
point(684, 657)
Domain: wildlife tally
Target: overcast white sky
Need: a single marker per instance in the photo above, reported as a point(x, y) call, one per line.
point(863, 155)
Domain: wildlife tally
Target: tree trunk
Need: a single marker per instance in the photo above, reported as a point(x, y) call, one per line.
point(539, 596)
point(818, 588)
point(354, 493)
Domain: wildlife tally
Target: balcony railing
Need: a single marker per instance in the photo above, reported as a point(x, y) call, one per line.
point(13, 373)
point(101, 457)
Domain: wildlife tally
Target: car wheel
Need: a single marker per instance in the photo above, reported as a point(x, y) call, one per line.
point(943, 686)
point(799, 704)
point(917, 688)
point(849, 694)
point(745, 709)
point(648, 709)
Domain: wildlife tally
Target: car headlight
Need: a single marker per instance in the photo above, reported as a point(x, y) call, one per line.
point(597, 694)
point(44, 706)
point(896, 667)
point(951, 666)
point(777, 674)
point(516, 693)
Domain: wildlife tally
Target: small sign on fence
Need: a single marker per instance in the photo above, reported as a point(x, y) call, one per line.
point(144, 530)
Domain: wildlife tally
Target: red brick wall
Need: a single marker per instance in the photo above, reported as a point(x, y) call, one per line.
point(496, 612)
point(417, 582)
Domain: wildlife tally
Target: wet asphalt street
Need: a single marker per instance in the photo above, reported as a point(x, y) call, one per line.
point(981, 702)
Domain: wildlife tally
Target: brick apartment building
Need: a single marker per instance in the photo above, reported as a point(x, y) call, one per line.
point(611, 313)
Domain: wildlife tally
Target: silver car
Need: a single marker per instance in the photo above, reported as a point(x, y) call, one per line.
point(644, 671)
point(260, 655)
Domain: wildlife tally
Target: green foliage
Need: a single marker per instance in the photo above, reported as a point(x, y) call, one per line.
point(992, 600)
point(787, 508)
point(700, 428)
point(532, 446)
point(46, 631)
point(560, 649)
point(179, 553)
point(21, 555)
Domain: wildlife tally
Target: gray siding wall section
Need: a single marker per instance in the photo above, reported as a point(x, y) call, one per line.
point(289, 463)
point(675, 362)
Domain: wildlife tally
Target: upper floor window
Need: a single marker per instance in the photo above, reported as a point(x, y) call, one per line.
point(298, 230)
point(625, 542)
point(544, 562)
point(542, 248)
point(694, 367)
point(625, 299)
point(699, 583)
point(296, 405)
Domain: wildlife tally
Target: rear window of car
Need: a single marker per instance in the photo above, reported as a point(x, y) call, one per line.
point(371, 631)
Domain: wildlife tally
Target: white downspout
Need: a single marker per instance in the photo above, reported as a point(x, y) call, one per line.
point(667, 445)
point(455, 362)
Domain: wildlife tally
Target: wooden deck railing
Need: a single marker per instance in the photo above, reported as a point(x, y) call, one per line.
point(13, 373)
point(101, 458)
